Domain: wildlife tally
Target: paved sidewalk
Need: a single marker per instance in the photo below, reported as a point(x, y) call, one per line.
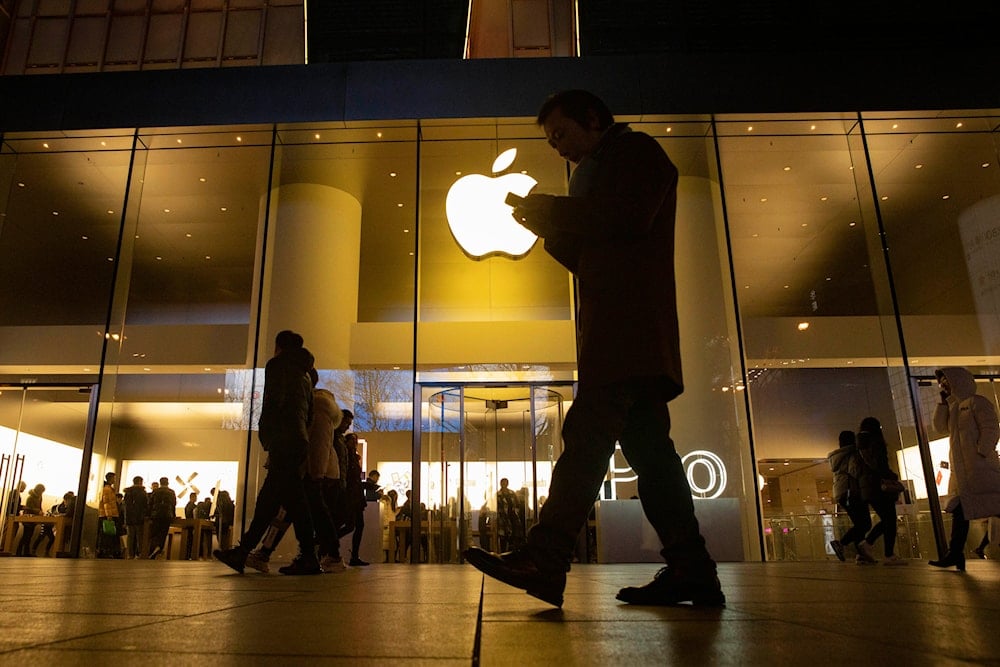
point(88, 612)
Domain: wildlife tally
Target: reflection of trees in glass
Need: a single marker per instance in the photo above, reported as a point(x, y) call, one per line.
point(240, 389)
point(381, 400)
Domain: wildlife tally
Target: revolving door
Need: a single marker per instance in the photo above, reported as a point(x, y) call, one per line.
point(487, 453)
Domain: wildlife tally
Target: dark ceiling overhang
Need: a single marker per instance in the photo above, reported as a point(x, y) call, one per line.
point(410, 89)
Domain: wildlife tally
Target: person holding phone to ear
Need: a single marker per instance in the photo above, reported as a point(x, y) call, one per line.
point(974, 486)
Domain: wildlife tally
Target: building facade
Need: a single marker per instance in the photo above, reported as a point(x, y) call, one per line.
point(837, 241)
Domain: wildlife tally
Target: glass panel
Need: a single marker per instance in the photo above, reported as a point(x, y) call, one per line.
point(42, 433)
point(938, 185)
point(176, 399)
point(339, 270)
point(242, 35)
point(820, 343)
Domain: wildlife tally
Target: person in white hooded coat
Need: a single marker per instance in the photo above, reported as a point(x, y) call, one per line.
point(971, 422)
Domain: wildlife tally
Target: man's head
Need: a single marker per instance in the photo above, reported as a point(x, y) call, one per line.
point(110, 478)
point(137, 480)
point(504, 482)
point(374, 475)
point(287, 340)
point(345, 421)
point(154, 485)
point(574, 121)
point(193, 497)
point(164, 481)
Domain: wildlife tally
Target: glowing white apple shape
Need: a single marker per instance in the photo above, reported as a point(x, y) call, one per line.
point(480, 219)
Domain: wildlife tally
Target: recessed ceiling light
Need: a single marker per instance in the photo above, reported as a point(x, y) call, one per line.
point(45, 144)
point(316, 136)
point(166, 210)
point(786, 168)
point(179, 141)
point(202, 179)
point(884, 197)
point(395, 368)
point(458, 173)
point(21, 185)
point(805, 224)
point(206, 368)
point(852, 224)
point(756, 236)
point(208, 257)
point(55, 212)
point(239, 138)
point(918, 166)
point(958, 124)
point(104, 143)
point(670, 129)
point(945, 196)
point(147, 368)
point(110, 212)
point(750, 128)
point(392, 174)
point(895, 125)
point(828, 279)
point(812, 127)
point(188, 235)
point(787, 286)
point(223, 209)
point(406, 231)
point(411, 254)
point(746, 287)
point(823, 198)
point(85, 237)
point(763, 199)
point(378, 134)
point(111, 259)
point(158, 257)
point(983, 165)
point(802, 326)
point(399, 205)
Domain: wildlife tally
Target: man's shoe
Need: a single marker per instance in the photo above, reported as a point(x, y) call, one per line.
point(670, 588)
point(258, 561)
point(956, 558)
point(301, 566)
point(234, 558)
point(331, 565)
point(357, 562)
point(838, 549)
point(518, 569)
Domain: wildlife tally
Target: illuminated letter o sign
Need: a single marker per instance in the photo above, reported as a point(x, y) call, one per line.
point(715, 469)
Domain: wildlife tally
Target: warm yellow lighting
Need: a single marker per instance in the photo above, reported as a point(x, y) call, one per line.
point(918, 166)
point(803, 326)
point(787, 168)
point(392, 174)
point(480, 219)
point(239, 138)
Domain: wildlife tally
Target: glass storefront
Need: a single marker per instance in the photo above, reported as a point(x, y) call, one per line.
point(826, 264)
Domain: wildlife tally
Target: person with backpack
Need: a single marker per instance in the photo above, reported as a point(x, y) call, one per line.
point(847, 493)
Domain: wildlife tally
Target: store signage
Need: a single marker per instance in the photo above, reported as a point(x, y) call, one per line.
point(706, 474)
point(480, 219)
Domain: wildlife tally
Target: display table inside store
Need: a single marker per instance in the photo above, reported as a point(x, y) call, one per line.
point(196, 533)
point(58, 524)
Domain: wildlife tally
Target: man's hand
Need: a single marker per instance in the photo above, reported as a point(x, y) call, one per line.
point(535, 213)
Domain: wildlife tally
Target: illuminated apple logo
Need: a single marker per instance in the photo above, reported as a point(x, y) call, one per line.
point(480, 219)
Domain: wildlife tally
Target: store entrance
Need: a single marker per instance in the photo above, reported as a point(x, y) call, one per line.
point(487, 453)
point(43, 433)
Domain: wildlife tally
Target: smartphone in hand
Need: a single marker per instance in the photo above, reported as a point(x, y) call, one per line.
point(513, 199)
